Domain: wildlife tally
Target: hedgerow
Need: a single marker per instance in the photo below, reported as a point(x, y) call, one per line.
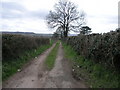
point(13, 46)
point(101, 48)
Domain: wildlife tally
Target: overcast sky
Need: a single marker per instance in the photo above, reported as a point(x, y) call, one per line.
point(29, 15)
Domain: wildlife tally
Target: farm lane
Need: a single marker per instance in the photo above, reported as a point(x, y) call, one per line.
point(36, 76)
point(60, 76)
point(29, 74)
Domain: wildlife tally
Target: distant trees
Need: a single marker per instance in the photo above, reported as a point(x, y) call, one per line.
point(118, 29)
point(55, 35)
point(85, 30)
point(65, 17)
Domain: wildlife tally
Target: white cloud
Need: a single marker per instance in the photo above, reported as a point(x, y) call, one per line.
point(35, 5)
point(28, 15)
point(100, 25)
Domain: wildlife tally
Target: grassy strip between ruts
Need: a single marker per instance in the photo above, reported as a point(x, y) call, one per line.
point(11, 67)
point(95, 75)
point(50, 60)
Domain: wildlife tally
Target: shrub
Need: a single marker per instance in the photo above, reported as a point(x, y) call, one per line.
point(101, 48)
point(13, 46)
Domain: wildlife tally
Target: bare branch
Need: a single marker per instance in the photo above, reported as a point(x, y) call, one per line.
point(65, 17)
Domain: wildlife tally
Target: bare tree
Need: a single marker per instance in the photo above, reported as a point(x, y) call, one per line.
point(65, 17)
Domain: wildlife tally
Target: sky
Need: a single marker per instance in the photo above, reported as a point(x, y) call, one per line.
point(29, 15)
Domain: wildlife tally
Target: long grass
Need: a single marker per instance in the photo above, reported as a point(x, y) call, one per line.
point(11, 67)
point(50, 60)
point(95, 75)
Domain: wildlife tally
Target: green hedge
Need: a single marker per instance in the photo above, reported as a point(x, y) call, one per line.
point(13, 46)
point(101, 48)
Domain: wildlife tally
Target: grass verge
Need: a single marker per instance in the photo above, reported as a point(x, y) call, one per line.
point(95, 75)
point(11, 67)
point(50, 60)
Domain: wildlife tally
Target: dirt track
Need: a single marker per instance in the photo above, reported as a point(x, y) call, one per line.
point(34, 75)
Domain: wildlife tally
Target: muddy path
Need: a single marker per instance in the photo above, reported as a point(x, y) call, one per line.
point(34, 75)
point(29, 74)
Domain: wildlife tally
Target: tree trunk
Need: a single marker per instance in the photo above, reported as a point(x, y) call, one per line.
point(66, 34)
